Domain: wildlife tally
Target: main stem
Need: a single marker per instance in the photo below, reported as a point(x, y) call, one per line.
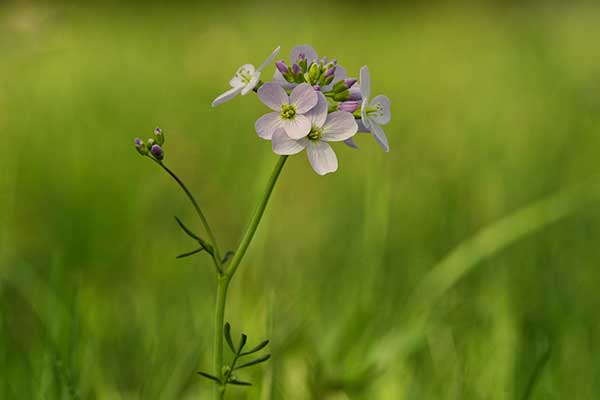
point(224, 279)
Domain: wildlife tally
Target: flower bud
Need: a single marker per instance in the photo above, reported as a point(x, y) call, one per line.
point(149, 143)
point(158, 134)
point(313, 73)
point(140, 146)
point(282, 67)
point(349, 106)
point(296, 69)
point(302, 62)
point(349, 82)
point(157, 152)
point(317, 88)
point(354, 93)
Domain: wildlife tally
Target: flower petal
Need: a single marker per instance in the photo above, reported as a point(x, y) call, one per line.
point(308, 51)
point(238, 79)
point(252, 84)
point(382, 116)
point(351, 143)
point(322, 157)
point(361, 126)
point(363, 112)
point(228, 95)
point(304, 97)
point(365, 82)
point(282, 144)
point(318, 113)
point(267, 124)
point(273, 96)
point(298, 127)
point(269, 59)
point(380, 137)
point(340, 125)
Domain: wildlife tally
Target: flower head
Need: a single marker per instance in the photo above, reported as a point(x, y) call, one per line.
point(288, 111)
point(245, 79)
point(157, 152)
point(374, 112)
point(333, 127)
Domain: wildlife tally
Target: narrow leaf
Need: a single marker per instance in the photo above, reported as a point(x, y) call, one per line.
point(239, 383)
point(187, 230)
point(256, 349)
point(243, 341)
point(190, 253)
point(209, 376)
point(227, 333)
point(254, 362)
point(227, 257)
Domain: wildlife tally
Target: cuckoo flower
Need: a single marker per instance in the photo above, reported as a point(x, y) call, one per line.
point(374, 112)
point(246, 78)
point(334, 127)
point(288, 111)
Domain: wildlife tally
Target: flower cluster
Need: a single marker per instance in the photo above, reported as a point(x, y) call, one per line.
point(313, 102)
point(153, 147)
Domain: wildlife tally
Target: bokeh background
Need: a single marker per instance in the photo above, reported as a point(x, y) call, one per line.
point(461, 265)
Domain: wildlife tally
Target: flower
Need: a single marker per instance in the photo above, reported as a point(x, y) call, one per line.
point(246, 78)
point(374, 112)
point(333, 127)
point(288, 110)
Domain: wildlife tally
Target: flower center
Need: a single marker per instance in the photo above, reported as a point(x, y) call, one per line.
point(315, 134)
point(244, 74)
point(288, 111)
point(375, 110)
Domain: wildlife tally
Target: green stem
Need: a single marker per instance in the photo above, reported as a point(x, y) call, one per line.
point(225, 278)
point(258, 213)
point(203, 220)
point(222, 286)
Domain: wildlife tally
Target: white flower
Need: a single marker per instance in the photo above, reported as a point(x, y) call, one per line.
point(375, 112)
point(334, 127)
point(244, 80)
point(288, 110)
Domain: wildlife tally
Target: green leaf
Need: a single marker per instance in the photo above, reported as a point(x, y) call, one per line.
point(209, 376)
point(227, 257)
point(256, 349)
point(187, 230)
point(243, 341)
point(239, 383)
point(190, 253)
point(227, 333)
point(254, 362)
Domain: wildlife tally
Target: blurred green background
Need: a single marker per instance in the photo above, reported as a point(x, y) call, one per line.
point(496, 108)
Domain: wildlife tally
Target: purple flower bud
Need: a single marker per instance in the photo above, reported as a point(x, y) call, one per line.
point(349, 82)
point(354, 93)
point(324, 59)
point(301, 56)
point(349, 106)
point(138, 142)
point(329, 72)
point(282, 66)
point(157, 131)
point(317, 88)
point(296, 69)
point(157, 152)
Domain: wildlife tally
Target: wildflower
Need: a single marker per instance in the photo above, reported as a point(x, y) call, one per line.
point(288, 110)
point(333, 127)
point(246, 78)
point(375, 112)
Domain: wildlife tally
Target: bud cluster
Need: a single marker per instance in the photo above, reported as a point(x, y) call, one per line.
point(153, 147)
point(317, 73)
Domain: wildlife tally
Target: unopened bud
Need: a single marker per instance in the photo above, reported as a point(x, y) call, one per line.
point(158, 134)
point(157, 152)
point(140, 146)
point(282, 67)
point(349, 106)
point(313, 73)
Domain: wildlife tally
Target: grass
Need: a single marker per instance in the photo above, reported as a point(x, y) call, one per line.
point(470, 221)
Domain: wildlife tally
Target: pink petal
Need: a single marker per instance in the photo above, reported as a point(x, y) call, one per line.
point(298, 127)
point(304, 97)
point(267, 124)
point(322, 157)
point(282, 144)
point(273, 96)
